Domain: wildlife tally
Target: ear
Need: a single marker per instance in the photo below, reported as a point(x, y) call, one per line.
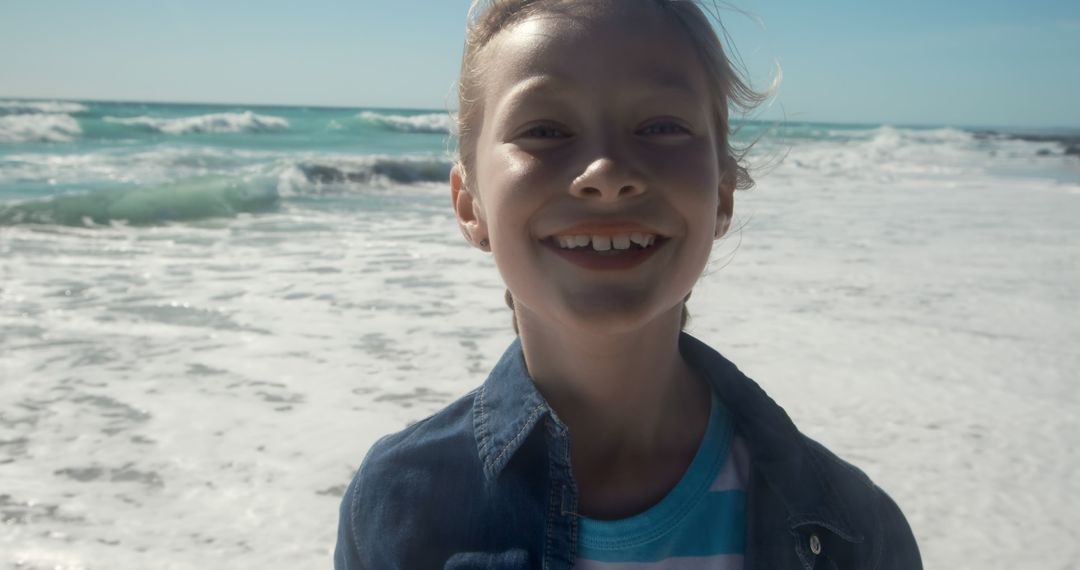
point(726, 206)
point(467, 210)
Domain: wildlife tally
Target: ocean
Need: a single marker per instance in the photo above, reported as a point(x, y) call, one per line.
point(208, 313)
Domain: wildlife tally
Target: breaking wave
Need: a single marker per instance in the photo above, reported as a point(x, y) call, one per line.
point(345, 175)
point(121, 167)
point(38, 127)
point(432, 123)
point(246, 122)
point(52, 107)
point(260, 188)
point(188, 200)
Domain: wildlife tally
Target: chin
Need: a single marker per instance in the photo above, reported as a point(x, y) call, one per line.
point(614, 316)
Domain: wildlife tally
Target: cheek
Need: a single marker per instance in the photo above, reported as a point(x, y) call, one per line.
point(692, 181)
point(691, 165)
point(519, 171)
point(514, 185)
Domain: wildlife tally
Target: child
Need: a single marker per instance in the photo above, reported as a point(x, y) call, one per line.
point(595, 167)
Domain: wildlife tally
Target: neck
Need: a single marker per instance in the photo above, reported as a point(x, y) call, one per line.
point(624, 397)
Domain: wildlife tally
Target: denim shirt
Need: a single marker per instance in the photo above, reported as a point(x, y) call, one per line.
point(487, 483)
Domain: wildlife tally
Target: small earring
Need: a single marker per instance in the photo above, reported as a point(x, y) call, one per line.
point(723, 227)
point(484, 242)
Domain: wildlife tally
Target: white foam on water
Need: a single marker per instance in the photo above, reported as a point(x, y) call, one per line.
point(888, 153)
point(124, 166)
point(427, 123)
point(246, 122)
point(44, 560)
point(193, 350)
point(46, 127)
point(201, 393)
point(51, 107)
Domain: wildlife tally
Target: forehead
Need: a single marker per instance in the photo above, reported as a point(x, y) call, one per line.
point(608, 45)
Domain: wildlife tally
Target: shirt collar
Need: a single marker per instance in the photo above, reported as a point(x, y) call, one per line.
point(508, 407)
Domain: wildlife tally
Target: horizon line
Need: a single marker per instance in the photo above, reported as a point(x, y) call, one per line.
point(972, 127)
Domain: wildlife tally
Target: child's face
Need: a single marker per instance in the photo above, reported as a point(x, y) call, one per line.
point(605, 116)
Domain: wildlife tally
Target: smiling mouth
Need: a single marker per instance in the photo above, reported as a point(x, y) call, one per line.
point(605, 244)
point(605, 253)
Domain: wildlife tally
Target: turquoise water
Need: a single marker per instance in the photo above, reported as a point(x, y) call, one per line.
point(78, 163)
point(172, 157)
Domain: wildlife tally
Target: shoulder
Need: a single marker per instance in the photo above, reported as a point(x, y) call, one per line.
point(886, 530)
point(410, 460)
point(401, 483)
point(423, 444)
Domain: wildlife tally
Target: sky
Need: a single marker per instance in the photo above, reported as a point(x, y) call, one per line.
point(958, 63)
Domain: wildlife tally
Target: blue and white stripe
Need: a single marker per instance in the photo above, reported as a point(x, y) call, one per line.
point(700, 524)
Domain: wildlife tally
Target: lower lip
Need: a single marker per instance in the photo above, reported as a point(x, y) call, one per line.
point(628, 259)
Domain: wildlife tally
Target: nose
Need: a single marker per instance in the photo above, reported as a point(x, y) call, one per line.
point(607, 180)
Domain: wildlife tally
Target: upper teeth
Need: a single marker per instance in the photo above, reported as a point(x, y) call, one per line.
point(604, 243)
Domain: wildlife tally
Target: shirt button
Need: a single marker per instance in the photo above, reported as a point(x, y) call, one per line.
point(815, 544)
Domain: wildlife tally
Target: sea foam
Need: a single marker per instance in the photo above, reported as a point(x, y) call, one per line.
point(122, 166)
point(434, 123)
point(20, 107)
point(246, 122)
point(50, 127)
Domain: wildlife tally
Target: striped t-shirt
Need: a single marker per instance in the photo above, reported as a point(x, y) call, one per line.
point(700, 524)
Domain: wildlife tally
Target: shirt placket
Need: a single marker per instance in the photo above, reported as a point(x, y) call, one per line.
point(560, 541)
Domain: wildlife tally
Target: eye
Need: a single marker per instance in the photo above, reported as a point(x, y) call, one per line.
point(545, 132)
point(664, 128)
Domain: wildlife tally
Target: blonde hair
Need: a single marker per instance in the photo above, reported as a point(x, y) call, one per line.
point(729, 89)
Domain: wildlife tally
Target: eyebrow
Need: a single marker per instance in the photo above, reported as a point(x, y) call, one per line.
point(664, 81)
point(537, 84)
